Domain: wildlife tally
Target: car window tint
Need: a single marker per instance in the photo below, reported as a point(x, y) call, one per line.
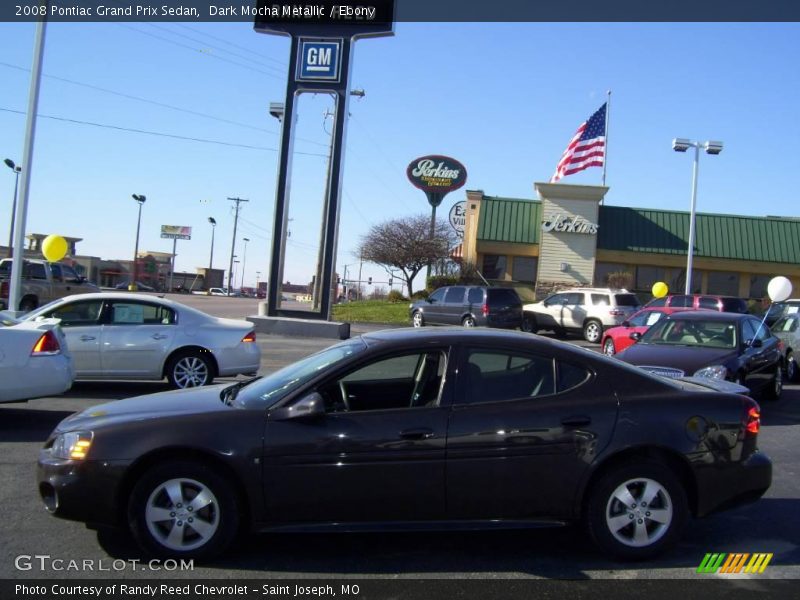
point(35, 271)
point(68, 273)
point(639, 319)
point(736, 305)
point(403, 381)
point(626, 300)
point(600, 300)
point(496, 375)
point(140, 313)
point(437, 295)
point(455, 295)
point(75, 314)
point(682, 301)
point(575, 299)
point(502, 298)
point(708, 302)
point(55, 271)
point(785, 325)
point(555, 299)
point(762, 331)
point(658, 302)
point(570, 376)
point(475, 296)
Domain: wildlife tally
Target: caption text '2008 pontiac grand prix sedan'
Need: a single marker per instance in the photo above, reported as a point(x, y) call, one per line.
point(410, 429)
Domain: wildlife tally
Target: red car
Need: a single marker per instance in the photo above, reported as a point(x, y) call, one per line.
point(616, 339)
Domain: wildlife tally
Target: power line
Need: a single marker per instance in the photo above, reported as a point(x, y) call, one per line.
point(275, 60)
point(157, 133)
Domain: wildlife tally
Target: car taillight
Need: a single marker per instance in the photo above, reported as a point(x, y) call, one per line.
point(250, 337)
point(47, 344)
point(485, 309)
point(752, 422)
point(615, 312)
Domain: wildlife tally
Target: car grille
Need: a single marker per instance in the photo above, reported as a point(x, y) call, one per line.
point(663, 371)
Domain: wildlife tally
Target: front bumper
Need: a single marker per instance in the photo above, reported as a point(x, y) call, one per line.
point(83, 491)
point(733, 484)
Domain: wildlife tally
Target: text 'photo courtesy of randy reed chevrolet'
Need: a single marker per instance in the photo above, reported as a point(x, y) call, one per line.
point(196, 590)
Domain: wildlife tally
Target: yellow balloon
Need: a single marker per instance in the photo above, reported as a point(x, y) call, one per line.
point(660, 289)
point(54, 248)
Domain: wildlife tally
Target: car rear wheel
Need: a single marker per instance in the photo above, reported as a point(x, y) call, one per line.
point(468, 321)
point(791, 368)
point(636, 511)
point(27, 304)
point(775, 386)
point(183, 509)
point(608, 347)
point(190, 369)
point(417, 320)
point(593, 331)
point(529, 324)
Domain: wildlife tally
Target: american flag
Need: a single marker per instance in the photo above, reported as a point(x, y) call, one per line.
point(586, 149)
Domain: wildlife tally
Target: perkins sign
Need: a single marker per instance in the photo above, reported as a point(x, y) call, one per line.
point(436, 176)
point(567, 224)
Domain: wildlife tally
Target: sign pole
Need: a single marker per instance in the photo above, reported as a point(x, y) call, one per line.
point(172, 266)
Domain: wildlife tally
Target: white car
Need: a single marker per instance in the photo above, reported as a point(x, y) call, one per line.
point(117, 335)
point(217, 292)
point(34, 360)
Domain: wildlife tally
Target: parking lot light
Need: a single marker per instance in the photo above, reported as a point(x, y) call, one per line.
point(132, 283)
point(17, 169)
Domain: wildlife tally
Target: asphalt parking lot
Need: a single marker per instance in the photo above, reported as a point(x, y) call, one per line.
point(770, 525)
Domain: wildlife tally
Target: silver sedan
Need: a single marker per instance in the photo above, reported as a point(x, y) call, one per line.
point(113, 335)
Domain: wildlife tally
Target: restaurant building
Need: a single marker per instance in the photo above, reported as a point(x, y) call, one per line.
point(568, 237)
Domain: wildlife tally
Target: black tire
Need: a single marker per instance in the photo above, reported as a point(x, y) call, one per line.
point(28, 303)
point(593, 331)
point(469, 321)
point(418, 319)
point(193, 368)
point(605, 511)
point(529, 323)
point(791, 367)
point(775, 385)
point(177, 524)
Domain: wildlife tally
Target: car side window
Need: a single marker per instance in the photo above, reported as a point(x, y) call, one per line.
point(76, 314)
point(763, 332)
point(475, 296)
point(455, 295)
point(639, 319)
point(575, 299)
point(55, 270)
point(570, 376)
point(497, 375)
point(68, 273)
point(658, 302)
point(141, 313)
point(600, 300)
point(411, 380)
point(708, 302)
point(682, 301)
point(748, 330)
point(438, 295)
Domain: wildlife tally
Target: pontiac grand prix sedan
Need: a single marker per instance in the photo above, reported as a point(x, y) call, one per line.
point(413, 429)
point(116, 335)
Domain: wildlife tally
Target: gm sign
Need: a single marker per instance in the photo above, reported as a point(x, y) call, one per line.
point(318, 61)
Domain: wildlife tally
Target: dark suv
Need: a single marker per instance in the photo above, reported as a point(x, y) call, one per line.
point(470, 306)
point(710, 301)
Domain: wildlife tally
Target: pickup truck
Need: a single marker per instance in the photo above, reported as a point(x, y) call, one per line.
point(42, 282)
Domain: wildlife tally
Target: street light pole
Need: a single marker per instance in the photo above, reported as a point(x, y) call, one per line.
point(10, 164)
point(213, 229)
point(132, 286)
point(711, 147)
point(244, 261)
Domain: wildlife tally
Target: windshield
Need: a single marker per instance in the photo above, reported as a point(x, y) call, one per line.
point(274, 387)
point(685, 332)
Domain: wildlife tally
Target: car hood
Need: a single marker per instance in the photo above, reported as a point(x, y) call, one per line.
point(190, 401)
point(687, 358)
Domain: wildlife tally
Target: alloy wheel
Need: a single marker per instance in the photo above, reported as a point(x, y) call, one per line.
point(639, 512)
point(608, 347)
point(417, 319)
point(190, 371)
point(182, 514)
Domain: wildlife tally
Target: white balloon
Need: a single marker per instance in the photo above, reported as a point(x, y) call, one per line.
point(779, 289)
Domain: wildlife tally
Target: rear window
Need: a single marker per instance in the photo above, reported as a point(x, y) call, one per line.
point(734, 305)
point(503, 297)
point(626, 299)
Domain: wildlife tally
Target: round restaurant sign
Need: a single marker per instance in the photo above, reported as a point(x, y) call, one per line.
point(436, 175)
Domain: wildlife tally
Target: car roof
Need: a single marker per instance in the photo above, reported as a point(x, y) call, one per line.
point(448, 335)
point(710, 315)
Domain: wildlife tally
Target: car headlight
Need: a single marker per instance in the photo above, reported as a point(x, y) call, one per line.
point(72, 445)
point(713, 372)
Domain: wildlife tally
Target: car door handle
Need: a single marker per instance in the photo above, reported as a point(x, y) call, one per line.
point(87, 338)
point(576, 421)
point(159, 336)
point(423, 433)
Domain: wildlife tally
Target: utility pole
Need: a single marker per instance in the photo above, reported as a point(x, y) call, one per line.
point(238, 201)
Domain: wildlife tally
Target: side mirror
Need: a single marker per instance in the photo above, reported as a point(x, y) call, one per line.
point(307, 407)
point(430, 300)
point(626, 323)
point(756, 343)
point(635, 336)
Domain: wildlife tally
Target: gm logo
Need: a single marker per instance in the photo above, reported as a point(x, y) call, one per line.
point(734, 563)
point(319, 61)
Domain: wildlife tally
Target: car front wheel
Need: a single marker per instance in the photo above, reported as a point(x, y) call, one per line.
point(190, 369)
point(417, 320)
point(183, 509)
point(791, 367)
point(637, 511)
point(608, 347)
point(592, 331)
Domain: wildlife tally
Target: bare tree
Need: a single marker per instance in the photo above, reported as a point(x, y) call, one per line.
point(405, 244)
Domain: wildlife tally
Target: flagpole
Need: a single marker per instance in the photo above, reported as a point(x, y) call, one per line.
point(608, 114)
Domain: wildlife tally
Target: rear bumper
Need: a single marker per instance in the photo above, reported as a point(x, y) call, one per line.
point(733, 484)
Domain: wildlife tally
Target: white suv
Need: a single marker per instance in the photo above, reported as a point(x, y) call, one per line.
point(585, 310)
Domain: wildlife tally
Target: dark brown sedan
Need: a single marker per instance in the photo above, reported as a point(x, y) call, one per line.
point(413, 429)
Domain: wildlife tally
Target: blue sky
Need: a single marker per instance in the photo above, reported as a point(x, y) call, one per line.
point(502, 98)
